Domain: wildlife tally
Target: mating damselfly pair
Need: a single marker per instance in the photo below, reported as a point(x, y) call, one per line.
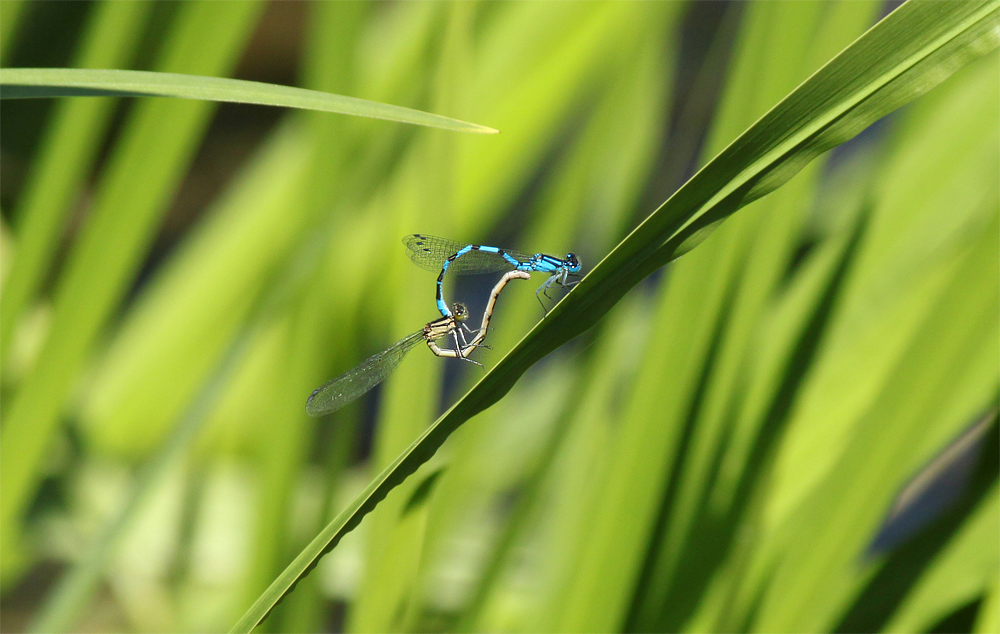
point(432, 253)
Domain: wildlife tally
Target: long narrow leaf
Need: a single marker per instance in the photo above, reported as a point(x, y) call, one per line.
point(11, 13)
point(70, 148)
point(905, 55)
point(28, 83)
point(145, 166)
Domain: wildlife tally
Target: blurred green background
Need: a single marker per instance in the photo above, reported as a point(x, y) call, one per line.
point(782, 431)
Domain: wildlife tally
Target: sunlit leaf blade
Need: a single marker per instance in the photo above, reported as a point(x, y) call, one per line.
point(145, 165)
point(908, 53)
point(69, 150)
point(839, 517)
point(268, 183)
point(655, 536)
point(951, 557)
point(988, 619)
point(27, 83)
point(10, 17)
point(941, 182)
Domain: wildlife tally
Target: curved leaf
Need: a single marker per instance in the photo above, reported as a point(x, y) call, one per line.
point(29, 83)
point(908, 53)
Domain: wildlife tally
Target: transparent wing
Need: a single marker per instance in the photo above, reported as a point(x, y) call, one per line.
point(340, 391)
point(430, 252)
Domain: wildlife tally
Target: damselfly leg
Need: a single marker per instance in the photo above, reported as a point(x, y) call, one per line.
point(559, 278)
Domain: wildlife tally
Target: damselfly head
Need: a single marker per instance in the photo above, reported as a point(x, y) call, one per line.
point(459, 311)
point(572, 263)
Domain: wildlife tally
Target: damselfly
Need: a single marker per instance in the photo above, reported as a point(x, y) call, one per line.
point(464, 351)
point(350, 385)
point(432, 253)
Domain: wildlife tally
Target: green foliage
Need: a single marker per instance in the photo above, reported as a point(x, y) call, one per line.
point(37, 83)
point(715, 450)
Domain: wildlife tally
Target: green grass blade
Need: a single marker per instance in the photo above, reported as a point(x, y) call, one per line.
point(907, 54)
point(75, 589)
point(927, 198)
point(269, 181)
point(329, 65)
point(167, 343)
point(11, 13)
point(932, 198)
point(814, 579)
point(988, 619)
point(29, 83)
point(946, 563)
point(540, 60)
point(69, 150)
point(783, 43)
point(146, 166)
point(410, 399)
point(610, 153)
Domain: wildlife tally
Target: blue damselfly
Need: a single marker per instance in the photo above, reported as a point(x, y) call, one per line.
point(433, 253)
